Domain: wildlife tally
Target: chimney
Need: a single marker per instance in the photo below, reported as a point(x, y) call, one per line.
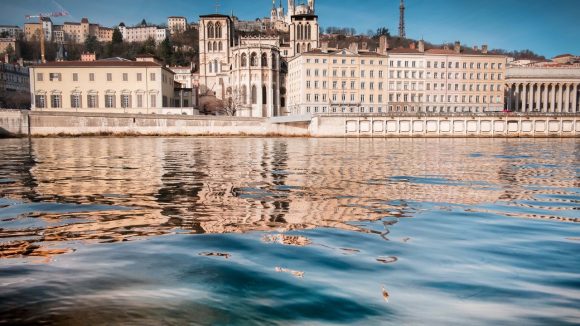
point(364, 46)
point(412, 46)
point(383, 44)
point(324, 47)
point(475, 48)
point(421, 46)
point(484, 49)
point(87, 56)
point(353, 47)
point(457, 47)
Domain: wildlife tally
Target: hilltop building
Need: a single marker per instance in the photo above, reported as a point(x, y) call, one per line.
point(176, 24)
point(143, 33)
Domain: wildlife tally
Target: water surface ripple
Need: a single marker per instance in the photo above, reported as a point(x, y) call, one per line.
point(150, 231)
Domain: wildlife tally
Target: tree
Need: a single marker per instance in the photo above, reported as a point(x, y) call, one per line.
point(4, 34)
point(91, 44)
point(232, 102)
point(165, 51)
point(382, 31)
point(11, 53)
point(117, 36)
point(148, 47)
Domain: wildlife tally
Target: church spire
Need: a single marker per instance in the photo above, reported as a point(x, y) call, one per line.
point(402, 20)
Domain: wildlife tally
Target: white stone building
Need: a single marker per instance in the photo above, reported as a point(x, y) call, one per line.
point(143, 33)
point(176, 24)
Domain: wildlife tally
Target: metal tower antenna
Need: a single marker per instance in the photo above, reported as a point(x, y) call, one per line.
point(402, 20)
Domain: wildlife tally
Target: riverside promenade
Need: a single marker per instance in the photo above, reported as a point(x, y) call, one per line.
point(386, 125)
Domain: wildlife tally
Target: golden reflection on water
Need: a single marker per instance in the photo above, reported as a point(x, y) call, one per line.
point(214, 185)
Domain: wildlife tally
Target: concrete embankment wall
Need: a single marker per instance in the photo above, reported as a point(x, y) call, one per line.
point(463, 126)
point(13, 123)
point(16, 123)
point(53, 123)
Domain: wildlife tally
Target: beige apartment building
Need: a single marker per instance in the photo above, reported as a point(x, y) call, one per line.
point(398, 80)
point(113, 85)
point(176, 24)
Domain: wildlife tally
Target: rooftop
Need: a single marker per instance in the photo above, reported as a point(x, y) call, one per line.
point(109, 62)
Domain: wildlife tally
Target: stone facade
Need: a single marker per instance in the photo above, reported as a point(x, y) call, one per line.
point(176, 24)
point(14, 78)
point(102, 86)
point(400, 80)
point(143, 33)
point(543, 89)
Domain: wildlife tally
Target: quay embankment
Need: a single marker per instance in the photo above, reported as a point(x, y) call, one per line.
point(15, 123)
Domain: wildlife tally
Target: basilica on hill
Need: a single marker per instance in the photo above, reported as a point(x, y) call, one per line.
point(249, 72)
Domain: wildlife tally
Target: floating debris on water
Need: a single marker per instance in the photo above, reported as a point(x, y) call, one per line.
point(387, 260)
point(215, 254)
point(298, 274)
point(385, 294)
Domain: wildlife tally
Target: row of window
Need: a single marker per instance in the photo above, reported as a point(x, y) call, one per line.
point(316, 98)
point(417, 64)
point(396, 108)
point(344, 61)
point(464, 76)
point(57, 76)
point(344, 73)
point(76, 101)
point(465, 65)
point(214, 30)
point(463, 88)
point(404, 86)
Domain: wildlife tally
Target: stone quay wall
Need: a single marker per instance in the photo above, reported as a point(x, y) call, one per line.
point(24, 123)
point(492, 125)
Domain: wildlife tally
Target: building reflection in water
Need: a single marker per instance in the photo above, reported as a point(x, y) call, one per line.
point(155, 186)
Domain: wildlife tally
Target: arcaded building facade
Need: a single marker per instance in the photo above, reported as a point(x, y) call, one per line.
point(255, 80)
point(544, 89)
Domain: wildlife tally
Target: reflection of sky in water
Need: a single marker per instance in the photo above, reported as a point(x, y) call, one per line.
point(299, 231)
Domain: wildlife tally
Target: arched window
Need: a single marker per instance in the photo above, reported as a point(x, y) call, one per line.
point(309, 47)
point(209, 47)
point(264, 60)
point(215, 47)
point(308, 32)
point(244, 59)
point(300, 32)
point(218, 30)
point(264, 95)
point(210, 68)
point(215, 68)
point(298, 48)
point(236, 61)
point(274, 62)
point(220, 47)
point(210, 30)
point(254, 59)
point(254, 94)
point(244, 95)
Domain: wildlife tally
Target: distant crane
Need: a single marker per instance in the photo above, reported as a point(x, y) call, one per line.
point(40, 16)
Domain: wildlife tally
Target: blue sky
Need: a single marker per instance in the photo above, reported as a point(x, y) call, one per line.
point(549, 27)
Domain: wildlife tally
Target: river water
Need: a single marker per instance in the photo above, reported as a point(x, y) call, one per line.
point(222, 231)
